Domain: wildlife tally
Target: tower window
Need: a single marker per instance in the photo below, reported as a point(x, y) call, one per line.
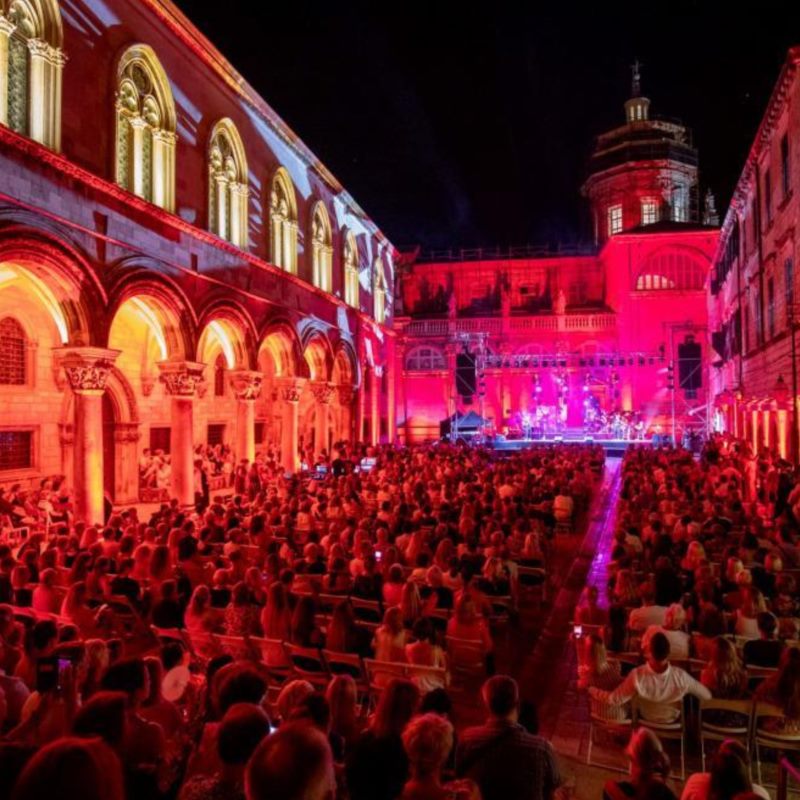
point(13, 346)
point(614, 219)
point(649, 211)
point(680, 204)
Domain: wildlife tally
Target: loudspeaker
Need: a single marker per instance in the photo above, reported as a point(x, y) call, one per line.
point(465, 374)
point(690, 372)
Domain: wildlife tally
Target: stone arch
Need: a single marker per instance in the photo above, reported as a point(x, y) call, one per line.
point(671, 268)
point(282, 205)
point(234, 332)
point(281, 344)
point(170, 307)
point(320, 237)
point(345, 371)
point(318, 355)
point(228, 184)
point(59, 277)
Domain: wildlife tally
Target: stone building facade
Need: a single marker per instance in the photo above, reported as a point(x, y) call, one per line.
point(176, 267)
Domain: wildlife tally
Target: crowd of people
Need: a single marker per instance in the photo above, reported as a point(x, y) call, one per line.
point(136, 659)
point(703, 587)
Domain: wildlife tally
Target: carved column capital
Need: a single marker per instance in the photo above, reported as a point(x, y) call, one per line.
point(6, 26)
point(291, 389)
point(323, 392)
point(181, 378)
point(87, 368)
point(246, 384)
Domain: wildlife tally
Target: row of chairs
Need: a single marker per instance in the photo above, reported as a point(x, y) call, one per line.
point(744, 720)
point(285, 660)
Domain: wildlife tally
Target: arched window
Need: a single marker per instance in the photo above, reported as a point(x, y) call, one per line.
point(676, 271)
point(145, 128)
point(425, 359)
point(283, 222)
point(351, 270)
point(13, 353)
point(321, 249)
point(379, 292)
point(31, 64)
point(220, 365)
point(227, 184)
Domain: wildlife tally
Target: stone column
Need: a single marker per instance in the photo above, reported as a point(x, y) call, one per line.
point(361, 400)
point(181, 379)
point(323, 394)
point(375, 407)
point(290, 390)
point(87, 370)
point(391, 395)
point(754, 418)
point(246, 385)
point(346, 395)
point(6, 29)
point(138, 165)
point(163, 169)
point(766, 410)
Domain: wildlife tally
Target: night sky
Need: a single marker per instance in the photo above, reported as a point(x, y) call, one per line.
point(458, 126)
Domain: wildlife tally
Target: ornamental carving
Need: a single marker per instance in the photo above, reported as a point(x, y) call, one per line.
point(88, 377)
point(87, 368)
point(291, 392)
point(181, 378)
point(246, 385)
point(323, 393)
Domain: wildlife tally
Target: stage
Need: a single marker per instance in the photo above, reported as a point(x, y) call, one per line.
point(612, 446)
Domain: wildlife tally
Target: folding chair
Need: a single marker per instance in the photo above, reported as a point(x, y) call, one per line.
point(764, 737)
point(602, 722)
point(308, 663)
point(666, 730)
point(273, 657)
point(712, 728)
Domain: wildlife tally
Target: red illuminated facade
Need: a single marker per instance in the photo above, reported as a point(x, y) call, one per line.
point(753, 286)
point(176, 267)
point(611, 329)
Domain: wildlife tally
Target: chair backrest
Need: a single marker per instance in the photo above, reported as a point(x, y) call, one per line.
point(272, 652)
point(718, 721)
point(766, 711)
point(307, 662)
point(531, 576)
point(466, 653)
point(345, 664)
point(379, 673)
point(235, 646)
point(419, 673)
point(204, 645)
point(367, 610)
point(663, 728)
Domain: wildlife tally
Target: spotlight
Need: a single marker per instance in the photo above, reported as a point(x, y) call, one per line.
point(641, 361)
point(602, 362)
point(582, 362)
point(591, 362)
point(545, 363)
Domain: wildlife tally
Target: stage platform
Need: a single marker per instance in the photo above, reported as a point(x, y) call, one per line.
point(613, 447)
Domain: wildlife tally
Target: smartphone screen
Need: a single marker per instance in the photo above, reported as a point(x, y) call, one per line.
point(578, 630)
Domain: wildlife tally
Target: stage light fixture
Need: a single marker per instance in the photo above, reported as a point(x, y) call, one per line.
point(641, 361)
point(582, 362)
point(602, 362)
point(591, 362)
point(545, 363)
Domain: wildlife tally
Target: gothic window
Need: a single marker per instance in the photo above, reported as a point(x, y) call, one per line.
point(31, 63)
point(145, 128)
point(379, 293)
point(13, 349)
point(220, 366)
point(351, 270)
point(283, 223)
point(321, 249)
point(227, 184)
point(671, 271)
point(425, 359)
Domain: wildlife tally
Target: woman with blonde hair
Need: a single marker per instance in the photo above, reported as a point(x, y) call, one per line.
point(276, 616)
point(390, 637)
point(428, 741)
point(410, 604)
point(625, 589)
point(342, 697)
point(75, 609)
point(724, 676)
point(199, 616)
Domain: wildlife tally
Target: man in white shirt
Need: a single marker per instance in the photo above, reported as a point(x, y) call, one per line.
point(657, 685)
